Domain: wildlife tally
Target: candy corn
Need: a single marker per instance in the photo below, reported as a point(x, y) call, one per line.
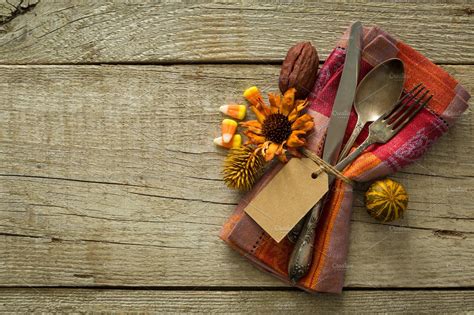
point(252, 94)
point(234, 143)
point(234, 110)
point(229, 126)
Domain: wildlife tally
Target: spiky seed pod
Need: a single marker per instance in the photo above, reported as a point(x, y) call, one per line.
point(243, 166)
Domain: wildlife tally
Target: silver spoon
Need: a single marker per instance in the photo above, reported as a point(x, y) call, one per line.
point(376, 95)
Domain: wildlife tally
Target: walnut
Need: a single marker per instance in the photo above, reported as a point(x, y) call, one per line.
point(299, 69)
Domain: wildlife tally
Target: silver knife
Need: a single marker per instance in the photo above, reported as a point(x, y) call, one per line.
point(302, 255)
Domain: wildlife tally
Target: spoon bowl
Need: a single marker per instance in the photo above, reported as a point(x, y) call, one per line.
point(376, 95)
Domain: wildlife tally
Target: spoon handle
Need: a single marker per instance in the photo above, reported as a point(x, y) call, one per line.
point(355, 133)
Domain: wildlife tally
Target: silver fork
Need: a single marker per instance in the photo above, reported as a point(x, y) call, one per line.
point(384, 128)
point(380, 131)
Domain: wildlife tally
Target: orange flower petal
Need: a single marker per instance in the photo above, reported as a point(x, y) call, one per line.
point(301, 104)
point(251, 123)
point(308, 127)
point(294, 141)
point(269, 150)
point(293, 115)
point(254, 138)
point(265, 109)
point(260, 116)
point(301, 121)
point(275, 102)
point(298, 132)
point(288, 101)
point(253, 126)
point(255, 130)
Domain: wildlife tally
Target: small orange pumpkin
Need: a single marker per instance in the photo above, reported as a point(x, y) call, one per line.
point(386, 200)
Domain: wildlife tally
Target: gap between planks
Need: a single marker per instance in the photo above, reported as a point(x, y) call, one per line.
point(205, 301)
point(227, 288)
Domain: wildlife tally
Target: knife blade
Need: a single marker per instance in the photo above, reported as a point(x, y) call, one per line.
point(302, 255)
point(344, 97)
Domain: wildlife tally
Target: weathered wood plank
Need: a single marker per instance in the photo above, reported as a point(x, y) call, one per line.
point(100, 32)
point(108, 177)
point(75, 300)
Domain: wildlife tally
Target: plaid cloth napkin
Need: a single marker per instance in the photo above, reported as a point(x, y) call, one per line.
point(332, 240)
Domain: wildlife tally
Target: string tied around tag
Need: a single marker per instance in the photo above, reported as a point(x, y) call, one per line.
point(326, 167)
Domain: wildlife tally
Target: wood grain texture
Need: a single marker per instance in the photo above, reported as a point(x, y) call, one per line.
point(108, 176)
point(249, 302)
point(215, 31)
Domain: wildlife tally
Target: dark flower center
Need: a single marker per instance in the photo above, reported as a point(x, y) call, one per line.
point(276, 128)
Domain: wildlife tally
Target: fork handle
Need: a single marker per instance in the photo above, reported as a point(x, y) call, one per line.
point(351, 157)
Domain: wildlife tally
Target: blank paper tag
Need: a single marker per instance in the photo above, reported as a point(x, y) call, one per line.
point(288, 197)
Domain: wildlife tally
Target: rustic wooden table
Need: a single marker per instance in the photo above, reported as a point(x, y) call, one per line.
point(111, 197)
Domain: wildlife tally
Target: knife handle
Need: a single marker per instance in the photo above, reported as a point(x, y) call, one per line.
point(302, 255)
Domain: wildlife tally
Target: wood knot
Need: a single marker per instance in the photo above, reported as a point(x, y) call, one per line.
point(449, 234)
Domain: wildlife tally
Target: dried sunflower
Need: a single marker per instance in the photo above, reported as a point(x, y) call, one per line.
point(280, 127)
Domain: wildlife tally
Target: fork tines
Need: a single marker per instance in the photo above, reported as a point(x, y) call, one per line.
point(407, 107)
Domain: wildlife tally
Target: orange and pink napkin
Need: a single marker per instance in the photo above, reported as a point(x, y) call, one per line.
point(332, 240)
